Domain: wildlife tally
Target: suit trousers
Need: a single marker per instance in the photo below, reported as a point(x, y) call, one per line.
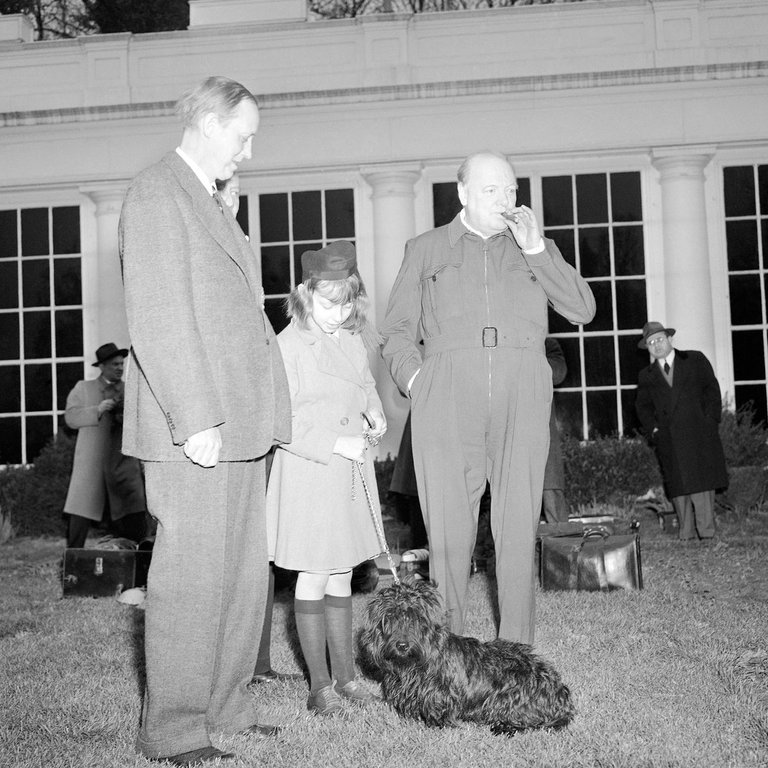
point(695, 515)
point(465, 435)
point(206, 592)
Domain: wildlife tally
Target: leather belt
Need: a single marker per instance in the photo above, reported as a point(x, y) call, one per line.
point(488, 338)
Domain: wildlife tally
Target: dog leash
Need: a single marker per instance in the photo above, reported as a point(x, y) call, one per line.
point(376, 523)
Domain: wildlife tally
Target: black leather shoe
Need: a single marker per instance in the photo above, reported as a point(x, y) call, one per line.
point(270, 676)
point(262, 731)
point(197, 756)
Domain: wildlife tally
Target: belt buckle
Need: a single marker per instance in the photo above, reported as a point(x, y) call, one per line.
point(490, 336)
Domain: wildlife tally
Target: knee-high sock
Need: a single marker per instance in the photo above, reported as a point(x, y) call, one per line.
point(338, 621)
point(310, 624)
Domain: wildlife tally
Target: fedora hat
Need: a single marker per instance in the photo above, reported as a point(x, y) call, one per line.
point(337, 261)
point(649, 329)
point(107, 352)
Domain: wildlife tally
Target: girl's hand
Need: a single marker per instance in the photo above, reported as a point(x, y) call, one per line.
point(350, 447)
point(379, 424)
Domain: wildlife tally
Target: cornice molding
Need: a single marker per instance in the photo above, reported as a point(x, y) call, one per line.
point(704, 73)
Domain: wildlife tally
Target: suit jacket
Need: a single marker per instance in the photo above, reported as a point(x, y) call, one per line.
point(681, 422)
point(99, 469)
point(203, 353)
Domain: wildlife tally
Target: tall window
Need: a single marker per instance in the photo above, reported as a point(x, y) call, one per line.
point(41, 325)
point(596, 220)
point(294, 222)
point(745, 192)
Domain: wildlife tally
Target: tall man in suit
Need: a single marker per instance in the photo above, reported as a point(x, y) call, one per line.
point(205, 398)
point(679, 407)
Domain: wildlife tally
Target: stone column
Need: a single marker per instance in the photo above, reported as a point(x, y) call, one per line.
point(394, 222)
point(688, 285)
point(102, 280)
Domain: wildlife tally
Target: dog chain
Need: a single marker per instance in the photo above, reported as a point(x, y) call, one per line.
point(376, 524)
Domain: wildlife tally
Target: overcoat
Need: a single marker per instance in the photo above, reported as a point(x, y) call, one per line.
point(99, 469)
point(313, 521)
point(686, 417)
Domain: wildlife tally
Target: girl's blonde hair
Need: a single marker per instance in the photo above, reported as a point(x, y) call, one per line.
point(350, 290)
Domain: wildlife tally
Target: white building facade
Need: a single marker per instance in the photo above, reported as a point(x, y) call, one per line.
point(638, 130)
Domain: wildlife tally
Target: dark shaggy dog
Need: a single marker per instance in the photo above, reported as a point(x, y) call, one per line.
point(428, 673)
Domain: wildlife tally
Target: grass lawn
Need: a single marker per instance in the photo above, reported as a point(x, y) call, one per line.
point(675, 675)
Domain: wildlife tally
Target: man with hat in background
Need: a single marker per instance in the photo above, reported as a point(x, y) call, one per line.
point(100, 472)
point(679, 407)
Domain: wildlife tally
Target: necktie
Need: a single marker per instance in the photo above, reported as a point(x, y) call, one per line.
point(219, 201)
point(666, 367)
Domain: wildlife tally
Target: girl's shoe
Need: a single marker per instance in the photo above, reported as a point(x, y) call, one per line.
point(326, 701)
point(357, 692)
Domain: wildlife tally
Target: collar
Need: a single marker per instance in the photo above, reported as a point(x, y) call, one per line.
point(459, 227)
point(669, 359)
point(197, 170)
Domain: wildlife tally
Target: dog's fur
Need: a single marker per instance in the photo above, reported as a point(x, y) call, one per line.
point(428, 673)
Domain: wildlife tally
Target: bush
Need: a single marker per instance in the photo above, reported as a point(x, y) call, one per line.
point(745, 442)
point(33, 497)
point(607, 470)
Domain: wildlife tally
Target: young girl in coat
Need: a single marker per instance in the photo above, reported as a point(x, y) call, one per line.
point(318, 518)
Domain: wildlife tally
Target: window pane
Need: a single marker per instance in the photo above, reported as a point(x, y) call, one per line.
point(742, 244)
point(558, 200)
point(572, 356)
point(10, 440)
point(592, 198)
point(631, 359)
point(762, 183)
point(339, 214)
point(298, 252)
point(626, 202)
point(66, 282)
point(739, 191)
point(67, 375)
point(755, 394)
point(9, 337)
point(569, 413)
point(764, 229)
point(604, 316)
point(66, 229)
point(557, 323)
point(69, 333)
point(10, 389)
point(38, 388)
point(601, 413)
point(9, 285)
point(746, 302)
point(565, 242)
point(599, 361)
point(276, 314)
point(37, 335)
point(748, 362)
point(628, 250)
point(34, 232)
point(594, 252)
point(35, 283)
point(631, 307)
point(445, 202)
point(628, 413)
point(242, 214)
point(9, 248)
point(275, 269)
point(273, 217)
point(524, 191)
point(39, 432)
point(307, 220)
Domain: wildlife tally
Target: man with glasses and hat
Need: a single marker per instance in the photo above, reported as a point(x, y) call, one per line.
point(679, 407)
point(100, 472)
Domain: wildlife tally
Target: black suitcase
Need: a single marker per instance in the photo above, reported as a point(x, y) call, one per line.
point(98, 572)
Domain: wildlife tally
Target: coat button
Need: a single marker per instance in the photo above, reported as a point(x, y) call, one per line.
point(533, 278)
point(344, 422)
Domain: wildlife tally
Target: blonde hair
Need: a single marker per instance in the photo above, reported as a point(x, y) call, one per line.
point(350, 290)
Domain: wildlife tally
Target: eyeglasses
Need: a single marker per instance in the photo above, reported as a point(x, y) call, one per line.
point(659, 340)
